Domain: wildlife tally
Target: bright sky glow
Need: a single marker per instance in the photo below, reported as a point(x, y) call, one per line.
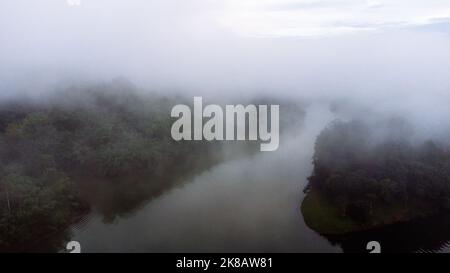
point(312, 18)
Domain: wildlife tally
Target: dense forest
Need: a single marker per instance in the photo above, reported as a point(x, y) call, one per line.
point(109, 140)
point(368, 176)
point(103, 147)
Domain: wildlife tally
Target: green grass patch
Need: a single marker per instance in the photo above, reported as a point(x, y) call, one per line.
point(320, 215)
point(325, 218)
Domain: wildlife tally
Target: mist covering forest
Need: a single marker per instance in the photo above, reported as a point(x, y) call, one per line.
point(105, 146)
point(85, 99)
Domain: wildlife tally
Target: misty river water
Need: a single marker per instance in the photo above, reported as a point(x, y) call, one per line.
point(248, 204)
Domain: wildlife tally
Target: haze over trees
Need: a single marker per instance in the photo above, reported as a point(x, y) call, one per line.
point(82, 137)
point(367, 177)
point(102, 147)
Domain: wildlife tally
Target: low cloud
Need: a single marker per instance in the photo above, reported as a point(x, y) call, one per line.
point(322, 18)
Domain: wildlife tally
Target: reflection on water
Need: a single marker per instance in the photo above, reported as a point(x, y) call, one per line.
point(250, 203)
point(431, 234)
point(120, 197)
point(246, 204)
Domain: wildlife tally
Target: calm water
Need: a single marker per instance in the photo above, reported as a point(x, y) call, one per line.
point(242, 205)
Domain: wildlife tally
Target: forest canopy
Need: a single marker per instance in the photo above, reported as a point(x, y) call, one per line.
point(103, 147)
point(83, 137)
point(369, 176)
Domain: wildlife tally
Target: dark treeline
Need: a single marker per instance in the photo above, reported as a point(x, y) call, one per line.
point(373, 176)
point(104, 147)
point(109, 141)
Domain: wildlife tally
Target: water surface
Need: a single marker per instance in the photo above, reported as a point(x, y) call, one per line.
point(248, 204)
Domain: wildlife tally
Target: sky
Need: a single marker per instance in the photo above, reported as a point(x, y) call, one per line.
point(321, 18)
point(373, 50)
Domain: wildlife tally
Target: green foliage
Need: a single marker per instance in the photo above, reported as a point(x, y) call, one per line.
point(107, 133)
point(362, 171)
point(32, 208)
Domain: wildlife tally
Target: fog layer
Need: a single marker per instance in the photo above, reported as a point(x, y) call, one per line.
point(179, 46)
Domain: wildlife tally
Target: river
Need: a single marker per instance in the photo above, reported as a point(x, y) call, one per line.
point(249, 204)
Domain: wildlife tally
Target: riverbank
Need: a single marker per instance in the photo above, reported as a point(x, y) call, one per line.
point(321, 215)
